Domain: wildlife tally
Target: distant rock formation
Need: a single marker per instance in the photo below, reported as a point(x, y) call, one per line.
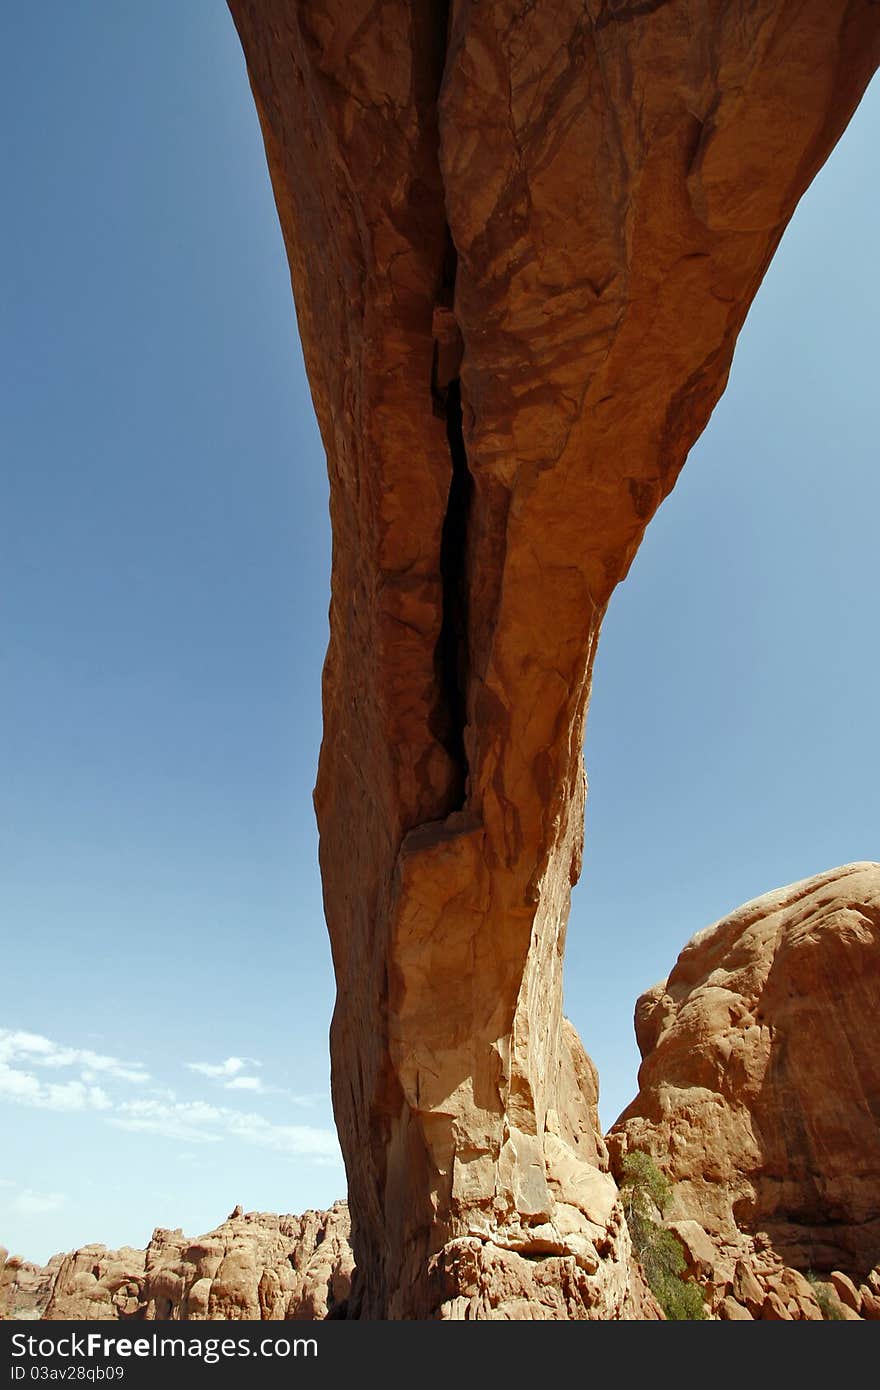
point(523, 239)
point(759, 1089)
point(253, 1266)
point(25, 1288)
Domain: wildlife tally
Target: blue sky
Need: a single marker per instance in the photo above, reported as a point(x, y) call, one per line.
point(165, 563)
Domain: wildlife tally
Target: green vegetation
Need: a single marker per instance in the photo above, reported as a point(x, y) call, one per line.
point(825, 1297)
point(646, 1193)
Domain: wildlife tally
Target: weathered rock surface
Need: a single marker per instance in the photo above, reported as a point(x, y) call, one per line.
point(523, 240)
point(759, 1089)
point(253, 1266)
point(763, 1288)
point(25, 1288)
point(257, 1266)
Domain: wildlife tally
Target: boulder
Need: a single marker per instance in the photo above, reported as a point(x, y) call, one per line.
point(870, 1304)
point(846, 1290)
point(732, 1311)
point(758, 1073)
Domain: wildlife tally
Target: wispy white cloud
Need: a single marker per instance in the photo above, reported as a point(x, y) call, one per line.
point(163, 1092)
point(308, 1101)
point(29, 1075)
point(31, 1203)
point(220, 1071)
point(246, 1083)
point(307, 1141)
point(232, 1074)
point(24, 1088)
point(185, 1120)
point(197, 1120)
point(23, 1056)
point(35, 1050)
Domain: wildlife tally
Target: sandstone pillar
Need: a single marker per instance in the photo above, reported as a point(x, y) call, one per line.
point(523, 238)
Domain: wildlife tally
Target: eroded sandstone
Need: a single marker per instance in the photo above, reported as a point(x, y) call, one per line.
point(523, 239)
point(252, 1266)
point(759, 1090)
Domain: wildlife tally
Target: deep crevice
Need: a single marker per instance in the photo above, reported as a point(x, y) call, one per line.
point(451, 656)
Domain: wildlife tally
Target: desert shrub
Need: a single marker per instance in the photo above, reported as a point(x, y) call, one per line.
point(644, 1183)
point(646, 1193)
point(825, 1297)
point(661, 1256)
point(681, 1300)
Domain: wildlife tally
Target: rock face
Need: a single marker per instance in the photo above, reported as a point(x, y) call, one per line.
point(759, 1089)
point(523, 239)
point(253, 1266)
point(25, 1288)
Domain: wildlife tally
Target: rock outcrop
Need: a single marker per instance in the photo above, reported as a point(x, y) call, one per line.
point(743, 1279)
point(759, 1091)
point(253, 1266)
point(521, 252)
point(523, 239)
point(25, 1288)
point(760, 1287)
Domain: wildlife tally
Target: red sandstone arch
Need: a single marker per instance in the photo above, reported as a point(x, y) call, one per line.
point(523, 240)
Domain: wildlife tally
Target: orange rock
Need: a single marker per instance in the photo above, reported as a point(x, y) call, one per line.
point(24, 1287)
point(846, 1290)
point(253, 1266)
point(789, 1283)
point(701, 1256)
point(808, 1310)
point(731, 1311)
point(774, 1310)
point(523, 240)
point(747, 1290)
point(870, 1304)
point(797, 1293)
point(759, 1070)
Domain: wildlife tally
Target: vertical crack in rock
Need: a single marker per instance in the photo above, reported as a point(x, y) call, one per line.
point(451, 654)
point(451, 658)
